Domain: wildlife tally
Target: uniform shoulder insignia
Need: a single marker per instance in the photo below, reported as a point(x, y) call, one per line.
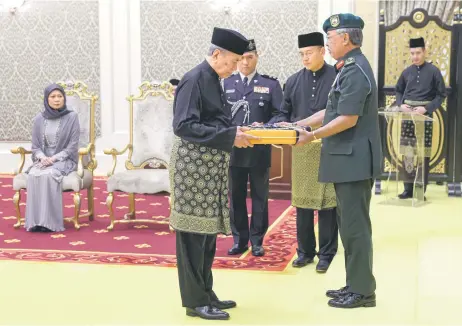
point(269, 77)
point(349, 61)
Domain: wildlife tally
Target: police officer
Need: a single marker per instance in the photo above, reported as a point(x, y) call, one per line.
point(351, 154)
point(263, 95)
point(420, 89)
point(305, 94)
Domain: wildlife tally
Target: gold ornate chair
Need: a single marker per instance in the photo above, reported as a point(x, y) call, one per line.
point(79, 100)
point(149, 147)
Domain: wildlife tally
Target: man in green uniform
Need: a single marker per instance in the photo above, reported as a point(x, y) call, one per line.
point(351, 154)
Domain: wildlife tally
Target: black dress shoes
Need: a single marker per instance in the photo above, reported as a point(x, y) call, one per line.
point(337, 293)
point(302, 261)
point(39, 228)
point(236, 250)
point(322, 266)
point(226, 304)
point(207, 312)
point(258, 251)
point(353, 300)
point(405, 195)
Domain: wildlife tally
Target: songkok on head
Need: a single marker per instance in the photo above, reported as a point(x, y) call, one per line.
point(417, 43)
point(342, 21)
point(174, 82)
point(311, 39)
point(230, 40)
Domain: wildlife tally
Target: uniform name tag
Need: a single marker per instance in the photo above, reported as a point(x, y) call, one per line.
point(230, 90)
point(261, 89)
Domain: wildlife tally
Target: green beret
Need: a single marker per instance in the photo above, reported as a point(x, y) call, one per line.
point(342, 21)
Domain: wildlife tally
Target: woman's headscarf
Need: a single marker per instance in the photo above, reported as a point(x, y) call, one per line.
point(50, 113)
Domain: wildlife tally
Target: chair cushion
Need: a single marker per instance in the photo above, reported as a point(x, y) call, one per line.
point(70, 182)
point(142, 181)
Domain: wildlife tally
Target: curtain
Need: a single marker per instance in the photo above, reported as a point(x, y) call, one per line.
point(395, 9)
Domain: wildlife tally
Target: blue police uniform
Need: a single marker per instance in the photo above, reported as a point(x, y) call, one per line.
point(264, 97)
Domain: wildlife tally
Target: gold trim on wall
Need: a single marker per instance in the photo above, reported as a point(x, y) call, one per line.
point(440, 168)
point(387, 166)
point(418, 17)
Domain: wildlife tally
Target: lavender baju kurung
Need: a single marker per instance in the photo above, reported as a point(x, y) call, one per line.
point(57, 138)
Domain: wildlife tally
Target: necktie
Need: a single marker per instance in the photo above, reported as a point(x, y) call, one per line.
point(245, 81)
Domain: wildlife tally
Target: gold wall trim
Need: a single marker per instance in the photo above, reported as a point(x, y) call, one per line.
point(418, 17)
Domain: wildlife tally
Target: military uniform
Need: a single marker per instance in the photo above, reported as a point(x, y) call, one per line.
point(199, 178)
point(264, 96)
point(418, 86)
point(351, 160)
point(305, 94)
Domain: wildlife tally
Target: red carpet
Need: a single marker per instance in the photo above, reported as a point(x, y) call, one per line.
point(137, 244)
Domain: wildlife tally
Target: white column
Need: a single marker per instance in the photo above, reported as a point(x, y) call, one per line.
point(368, 10)
point(120, 75)
point(120, 52)
point(325, 11)
point(375, 64)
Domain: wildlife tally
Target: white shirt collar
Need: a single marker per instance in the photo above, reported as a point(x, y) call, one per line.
point(249, 77)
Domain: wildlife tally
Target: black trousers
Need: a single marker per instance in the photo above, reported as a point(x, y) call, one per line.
point(328, 233)
point(195, 254)
point(353, 204)
point(409, 177)
point(259, 191)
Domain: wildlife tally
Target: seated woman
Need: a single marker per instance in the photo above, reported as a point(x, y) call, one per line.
point(55, 145)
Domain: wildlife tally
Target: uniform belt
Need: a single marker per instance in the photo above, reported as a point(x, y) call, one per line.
point(416, 103)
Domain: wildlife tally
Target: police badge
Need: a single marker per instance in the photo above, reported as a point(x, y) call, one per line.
point(251, 46)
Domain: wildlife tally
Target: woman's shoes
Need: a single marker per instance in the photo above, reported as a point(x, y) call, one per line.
point(39, 228)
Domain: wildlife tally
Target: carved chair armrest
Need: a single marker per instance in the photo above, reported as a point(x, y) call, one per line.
point(114, 152)
point(89, 150)
point(22, 152)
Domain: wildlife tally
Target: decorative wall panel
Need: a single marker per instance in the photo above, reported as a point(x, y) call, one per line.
point(175, 35)
point(51, 41)
point(437, 42)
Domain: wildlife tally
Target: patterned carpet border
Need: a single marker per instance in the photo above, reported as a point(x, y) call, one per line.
point(280, 241)
point(282, 236)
